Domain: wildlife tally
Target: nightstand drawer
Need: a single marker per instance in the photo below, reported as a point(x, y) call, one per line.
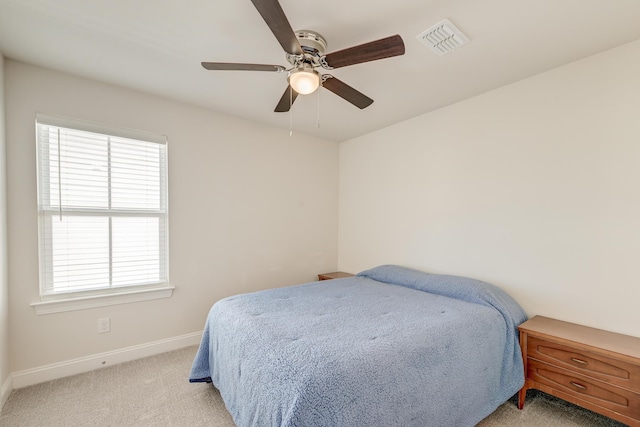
point(593, 365)
point(599, 393)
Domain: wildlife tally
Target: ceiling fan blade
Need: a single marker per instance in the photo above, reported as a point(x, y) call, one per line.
point(242, 67)
point(274, 16)
point(379, 49)
point(346, 92)
point(285, 103)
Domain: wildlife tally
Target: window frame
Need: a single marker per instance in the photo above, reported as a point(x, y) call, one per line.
point(52, 302)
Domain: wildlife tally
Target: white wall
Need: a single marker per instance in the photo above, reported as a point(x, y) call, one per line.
point(250, 208)
point(4, 287)
point(533, 187)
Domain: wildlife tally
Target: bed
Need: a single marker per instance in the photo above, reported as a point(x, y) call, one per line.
point(391, 346)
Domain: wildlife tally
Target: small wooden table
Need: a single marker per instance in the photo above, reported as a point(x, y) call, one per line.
point(592, 368)
point(334, 275)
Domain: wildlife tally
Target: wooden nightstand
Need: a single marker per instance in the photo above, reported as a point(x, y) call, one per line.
point(589, 367)
point(334, 275)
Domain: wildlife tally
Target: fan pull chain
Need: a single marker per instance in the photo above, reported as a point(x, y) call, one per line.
point(318, 119)
point(290, 111)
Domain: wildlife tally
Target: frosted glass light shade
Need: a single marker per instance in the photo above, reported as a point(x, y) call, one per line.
point(304, 80)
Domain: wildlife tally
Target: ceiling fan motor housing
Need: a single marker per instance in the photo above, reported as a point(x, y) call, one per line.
point(313, 47)
point(312, 41)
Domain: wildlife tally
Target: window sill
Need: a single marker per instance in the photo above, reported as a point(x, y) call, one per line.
point(81, 303)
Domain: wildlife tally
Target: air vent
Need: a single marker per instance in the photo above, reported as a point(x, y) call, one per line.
point(443, 37)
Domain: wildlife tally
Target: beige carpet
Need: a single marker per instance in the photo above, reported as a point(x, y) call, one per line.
point(155, 392)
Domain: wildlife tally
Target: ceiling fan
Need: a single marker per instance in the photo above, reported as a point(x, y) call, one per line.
point(305, 52)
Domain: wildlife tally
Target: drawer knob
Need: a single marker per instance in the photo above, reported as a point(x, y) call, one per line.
point(580, 361)
point(576, 385)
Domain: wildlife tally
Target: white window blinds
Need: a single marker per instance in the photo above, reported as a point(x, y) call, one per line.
point(102, 205)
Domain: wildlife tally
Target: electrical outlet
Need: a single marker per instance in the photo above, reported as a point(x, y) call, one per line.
point(104, 325)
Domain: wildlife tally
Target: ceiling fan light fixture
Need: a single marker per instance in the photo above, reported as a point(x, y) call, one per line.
point(304, 79)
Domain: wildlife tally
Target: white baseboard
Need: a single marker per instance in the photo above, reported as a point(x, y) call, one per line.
point(89, 363)
point(5, 390)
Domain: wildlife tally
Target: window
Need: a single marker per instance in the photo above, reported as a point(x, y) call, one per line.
point(102, 206)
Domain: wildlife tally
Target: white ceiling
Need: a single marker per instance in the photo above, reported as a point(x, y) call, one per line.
point(156, 46)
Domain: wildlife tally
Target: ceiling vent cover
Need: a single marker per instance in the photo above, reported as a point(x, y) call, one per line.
point(443, 37)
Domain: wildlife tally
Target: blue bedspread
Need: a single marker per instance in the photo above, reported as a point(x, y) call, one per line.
point(389, 347)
